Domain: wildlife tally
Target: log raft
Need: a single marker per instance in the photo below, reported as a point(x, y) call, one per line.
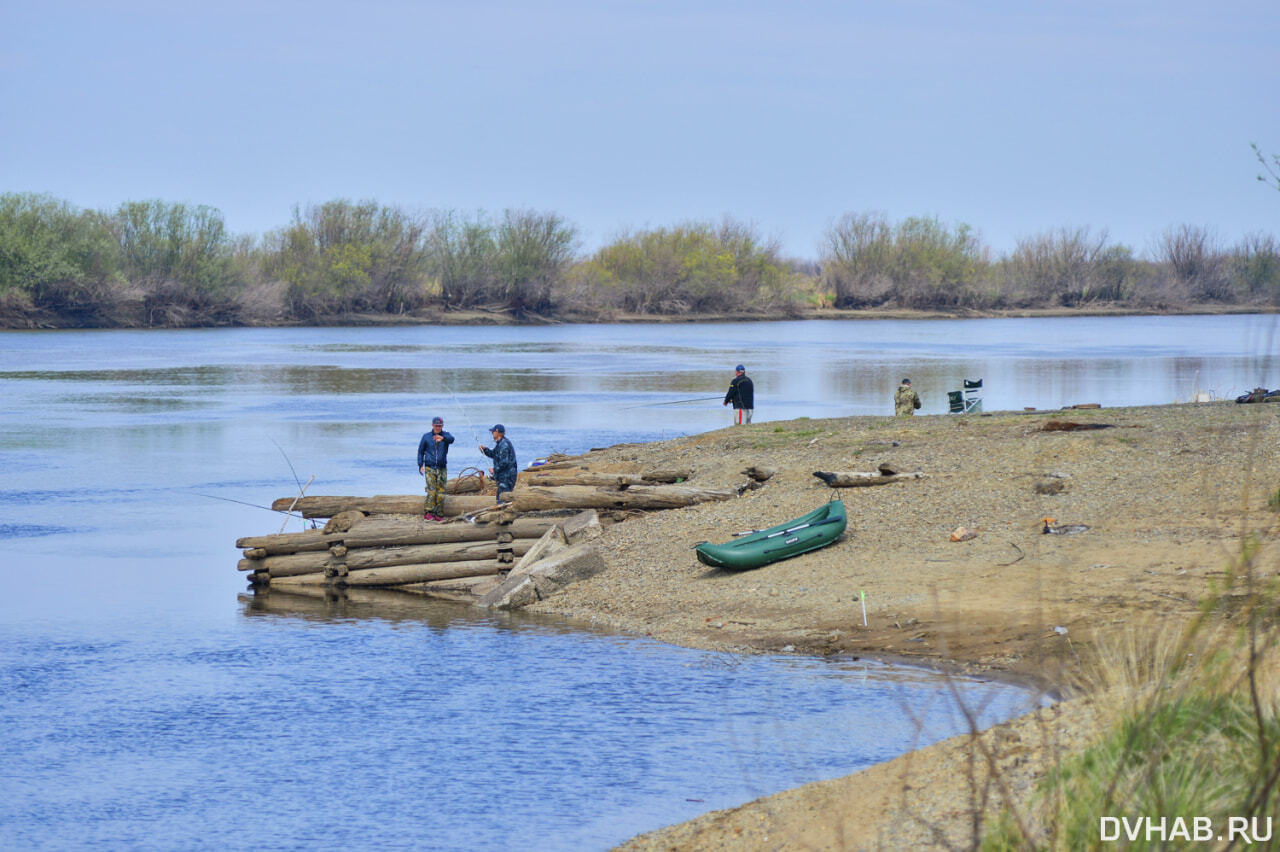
point(495, 555)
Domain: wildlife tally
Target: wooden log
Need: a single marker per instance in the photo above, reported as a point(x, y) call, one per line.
point(858, 479)
point(576, 476)
point(288, 563)
point(474, 586)
point(343, 521)
point(465, 485)
point(559, 479)
point(385, 531)
point(391, 531)
point(380, 557)
point(667, 476)
point(296, 564)
point(395, 575)
point(381, 504)
point(532, 498)
point(289, 542)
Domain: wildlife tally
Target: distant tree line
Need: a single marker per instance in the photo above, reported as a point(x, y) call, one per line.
point(153, 263)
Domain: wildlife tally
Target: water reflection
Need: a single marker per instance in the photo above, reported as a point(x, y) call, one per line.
point(321, 604)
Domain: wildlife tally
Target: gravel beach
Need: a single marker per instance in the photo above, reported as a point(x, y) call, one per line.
point(1148, 506)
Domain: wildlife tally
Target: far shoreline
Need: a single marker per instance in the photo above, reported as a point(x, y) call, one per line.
point(513, 319)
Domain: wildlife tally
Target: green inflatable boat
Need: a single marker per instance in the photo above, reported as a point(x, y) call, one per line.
point(807, 532)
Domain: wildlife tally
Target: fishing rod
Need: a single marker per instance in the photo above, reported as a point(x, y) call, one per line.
point(296, 480)
point(243, 503)
point(463, 411)
point(672, 402)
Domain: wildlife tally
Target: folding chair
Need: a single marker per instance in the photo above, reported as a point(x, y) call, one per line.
point(965, 400)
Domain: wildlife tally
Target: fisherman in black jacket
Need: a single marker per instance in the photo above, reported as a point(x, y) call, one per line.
point(742, 394)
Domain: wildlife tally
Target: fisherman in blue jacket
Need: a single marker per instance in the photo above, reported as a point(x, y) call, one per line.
point(504, 460)
point(433, 462)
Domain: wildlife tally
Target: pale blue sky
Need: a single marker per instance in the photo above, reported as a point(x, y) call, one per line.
point(1015, 117)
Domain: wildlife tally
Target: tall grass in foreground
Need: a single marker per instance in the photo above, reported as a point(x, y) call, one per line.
point(1194, 735)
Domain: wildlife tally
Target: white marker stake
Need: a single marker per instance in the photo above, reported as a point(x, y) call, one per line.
point(864, 607)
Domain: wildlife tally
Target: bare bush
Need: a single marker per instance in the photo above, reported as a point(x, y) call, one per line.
point(1069, 266)
point(1193, 257)
point(262, 303)
point(857, 254)
point(1255, 267)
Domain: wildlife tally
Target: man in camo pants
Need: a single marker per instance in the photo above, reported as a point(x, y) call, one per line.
point(433, 462)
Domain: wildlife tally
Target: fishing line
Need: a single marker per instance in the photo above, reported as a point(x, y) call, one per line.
point(241, 502)
point(672, 402)
point(463, 411)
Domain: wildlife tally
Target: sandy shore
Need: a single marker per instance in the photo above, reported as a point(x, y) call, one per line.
point(1166, 494)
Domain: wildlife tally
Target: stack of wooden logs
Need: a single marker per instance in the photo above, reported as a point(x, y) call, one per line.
point(383, 541)
point(390, 550)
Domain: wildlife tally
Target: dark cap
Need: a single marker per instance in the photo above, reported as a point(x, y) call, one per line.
point(498, 427)
point(740, 368)
point(437, 421)
point(906, 381)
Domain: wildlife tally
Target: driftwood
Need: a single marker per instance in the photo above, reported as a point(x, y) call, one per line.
point(382, 504)
point(395, 575)
point(533, 499)
point(1072, 426)
point(558, 479)
point(858, 479)
point(668, 477)
point(576, 475)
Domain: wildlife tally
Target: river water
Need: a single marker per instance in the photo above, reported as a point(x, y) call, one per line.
point(149, 702)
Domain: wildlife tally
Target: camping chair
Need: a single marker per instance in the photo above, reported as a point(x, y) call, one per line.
point(966, 400)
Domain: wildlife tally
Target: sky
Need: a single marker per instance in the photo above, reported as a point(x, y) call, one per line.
point(1016, 118)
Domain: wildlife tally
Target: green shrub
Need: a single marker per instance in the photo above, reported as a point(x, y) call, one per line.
point(341, 256)
point(56, 258)
point(693, 267)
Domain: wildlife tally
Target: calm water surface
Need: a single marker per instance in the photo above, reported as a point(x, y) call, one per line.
point(149, 702)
